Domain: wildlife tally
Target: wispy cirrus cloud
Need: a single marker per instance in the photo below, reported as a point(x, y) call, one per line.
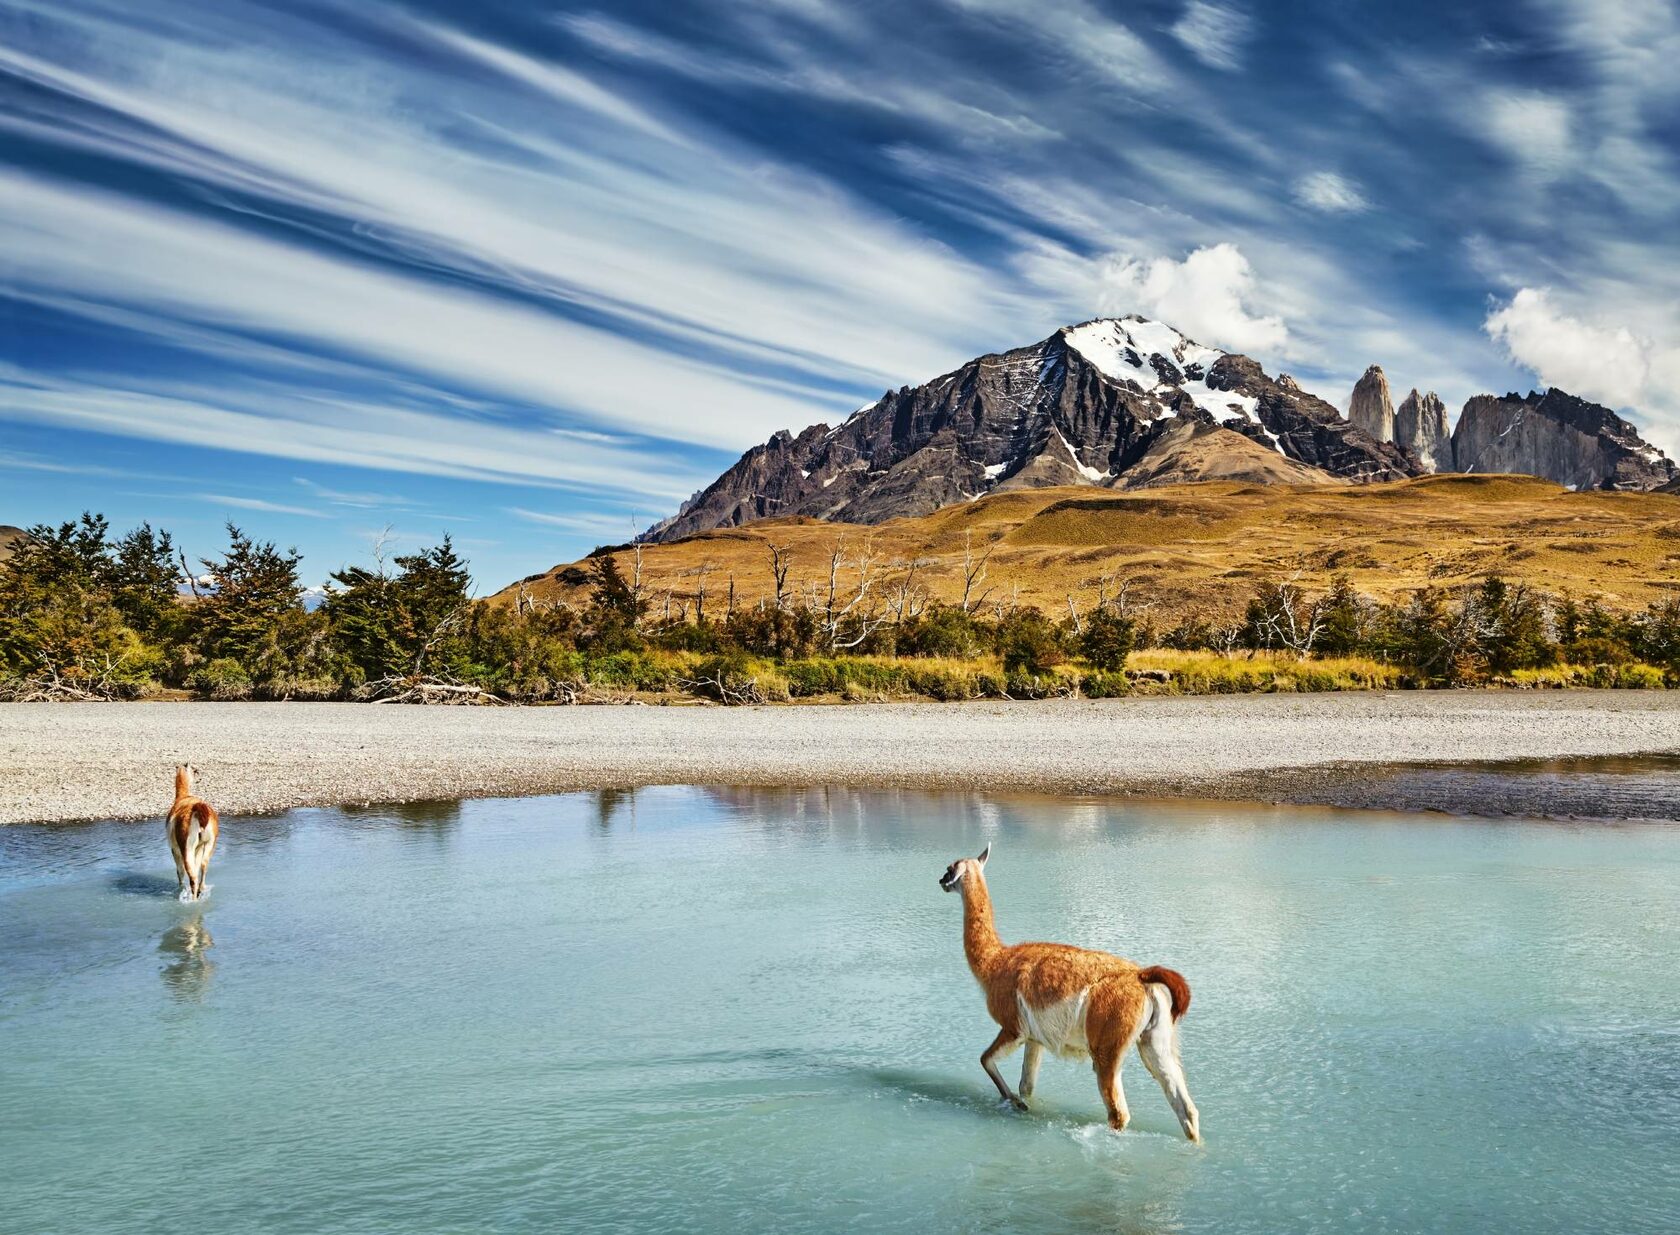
point(594, 251)
point(257, 503)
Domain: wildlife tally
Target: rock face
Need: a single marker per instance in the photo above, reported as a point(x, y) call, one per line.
point(1420, 431)
point(1557, 436)
point(1189, 453)
point(1083, 407)
point(1371, 409)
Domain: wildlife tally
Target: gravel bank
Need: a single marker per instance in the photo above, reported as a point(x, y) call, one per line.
point(102, 761)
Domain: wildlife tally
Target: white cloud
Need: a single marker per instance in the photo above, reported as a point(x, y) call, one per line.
point(257, 503)
point(1330, 193)
point(1530, 126)
point(321, 428)
point(1214, 33)
point(1206, 296)
point(68, 246)
point(624, 526)
point(1607, 364)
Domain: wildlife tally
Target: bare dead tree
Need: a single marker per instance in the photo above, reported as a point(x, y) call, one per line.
point(974, 572)
point(846, 620)
point(700, 572)
point(187, 574)
point(781, 560)
point(1226, 637)
point(906, 599)
point(1003, 606)
point(1073, 613)
point(1291, 617)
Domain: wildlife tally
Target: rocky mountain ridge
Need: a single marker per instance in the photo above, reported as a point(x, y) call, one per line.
point(1130, 403)
point(1083, 407)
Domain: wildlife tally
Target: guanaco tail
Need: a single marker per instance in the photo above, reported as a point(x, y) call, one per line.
point(1075, 1002)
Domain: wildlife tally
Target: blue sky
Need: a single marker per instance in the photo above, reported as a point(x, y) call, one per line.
point(531, 273)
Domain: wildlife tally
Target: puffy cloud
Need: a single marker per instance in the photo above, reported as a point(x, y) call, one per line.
point(1608, 364)
point(1330, 193)
point(1206, 295)
point(1214, 33)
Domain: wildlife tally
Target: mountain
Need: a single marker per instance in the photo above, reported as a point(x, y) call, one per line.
point(1420, 431)
point(9, 537)
point(1084, 407)
point(1370, 408)
point(1557, 436)
point(1194, 549)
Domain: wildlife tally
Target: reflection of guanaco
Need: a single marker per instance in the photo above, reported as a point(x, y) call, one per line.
point(192, 833)
point(1073, 1001)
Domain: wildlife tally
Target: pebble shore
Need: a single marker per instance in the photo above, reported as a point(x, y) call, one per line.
point(64, 762)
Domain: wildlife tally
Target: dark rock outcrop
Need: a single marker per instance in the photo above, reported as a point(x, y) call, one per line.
point(1371, 408)
point(1557, 436)
point(1421, 434)
point(1081, 407)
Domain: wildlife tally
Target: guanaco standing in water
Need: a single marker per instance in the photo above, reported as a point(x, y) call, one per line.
point(1073, 1001)
point(192, 831)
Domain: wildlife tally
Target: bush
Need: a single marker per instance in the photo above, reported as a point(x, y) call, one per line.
point(1107, 640)
point(1029, 644)
point(1105, 685)
point(222, 679)
point(736, 678)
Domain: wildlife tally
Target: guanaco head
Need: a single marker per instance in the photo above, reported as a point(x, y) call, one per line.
point(184, 773)
point(954, 874)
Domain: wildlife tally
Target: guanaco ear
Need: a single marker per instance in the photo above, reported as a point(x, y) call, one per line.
point(984, 854)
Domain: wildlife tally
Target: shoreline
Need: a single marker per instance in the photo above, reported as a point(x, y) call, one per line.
point(75, 762)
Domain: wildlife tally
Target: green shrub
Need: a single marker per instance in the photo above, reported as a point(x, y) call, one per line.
point(736, 678)
point(223, 679)
point(1101, 685)
point(1107, 640)
point(1029, 643)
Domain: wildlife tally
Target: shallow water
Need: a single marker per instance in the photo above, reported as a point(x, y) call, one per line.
point(723, 1010)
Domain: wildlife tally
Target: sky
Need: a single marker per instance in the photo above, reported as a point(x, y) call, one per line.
point(531, 273)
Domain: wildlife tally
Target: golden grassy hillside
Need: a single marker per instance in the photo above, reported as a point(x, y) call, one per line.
point(1200, 547)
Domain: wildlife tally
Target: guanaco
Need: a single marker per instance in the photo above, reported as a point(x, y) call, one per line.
point(192, 829)
point(1075, 1002)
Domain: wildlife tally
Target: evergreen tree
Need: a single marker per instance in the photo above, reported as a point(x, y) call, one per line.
point(145, 582)
point(1107, 640)
point(412, 623)
point(253, 589)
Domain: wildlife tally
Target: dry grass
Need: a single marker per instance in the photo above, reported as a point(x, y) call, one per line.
point(1209, 673)
point(1198, 548)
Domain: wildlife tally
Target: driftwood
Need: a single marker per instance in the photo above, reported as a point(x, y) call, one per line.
point(735, 694)
point(48, 685)
point(428, 690)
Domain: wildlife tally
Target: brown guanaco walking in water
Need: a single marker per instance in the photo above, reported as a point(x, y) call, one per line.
point(192, 829)
point(1079, 1003)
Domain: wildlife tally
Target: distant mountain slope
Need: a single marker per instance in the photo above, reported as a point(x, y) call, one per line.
point(9, 536)
point(1082, 407)
point(1197, 548)
point(1560, 437)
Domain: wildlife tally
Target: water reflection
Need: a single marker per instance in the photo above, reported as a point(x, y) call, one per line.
point(440, 818)
point(188, 974)
point(608, 802)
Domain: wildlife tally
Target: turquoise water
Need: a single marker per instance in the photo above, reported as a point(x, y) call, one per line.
point(691, 1010)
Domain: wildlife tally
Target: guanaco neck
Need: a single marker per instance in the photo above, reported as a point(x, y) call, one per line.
point(980, 939)
point(183, 783)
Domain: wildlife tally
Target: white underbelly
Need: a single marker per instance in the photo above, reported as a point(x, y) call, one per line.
point(1058, 1027)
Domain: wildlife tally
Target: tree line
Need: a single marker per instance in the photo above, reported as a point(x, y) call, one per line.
point(88, 615)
